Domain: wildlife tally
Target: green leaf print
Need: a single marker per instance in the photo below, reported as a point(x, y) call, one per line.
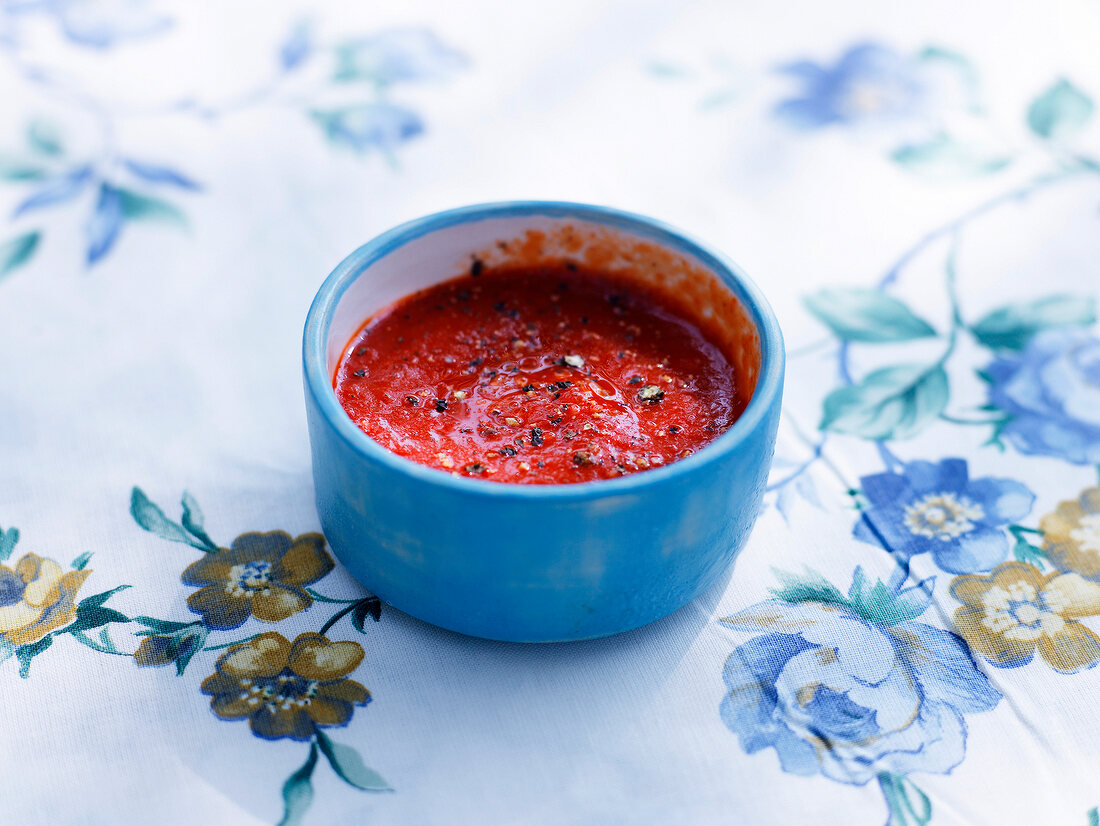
point(18, 251)
point(1059, 112)
point(945, 158)
point(858, 314)
point(1012, 326)
point(892, 403)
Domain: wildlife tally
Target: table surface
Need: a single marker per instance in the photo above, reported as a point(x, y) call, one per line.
point(910, 634)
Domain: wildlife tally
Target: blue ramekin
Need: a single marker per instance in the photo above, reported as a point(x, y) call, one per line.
point(536, 563)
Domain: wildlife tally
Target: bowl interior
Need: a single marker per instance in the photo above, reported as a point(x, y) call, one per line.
point(412, 258)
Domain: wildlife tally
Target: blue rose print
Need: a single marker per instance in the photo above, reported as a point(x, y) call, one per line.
point(1051, 393)
point(851, 687)
point(939, 509)
point(869, 82)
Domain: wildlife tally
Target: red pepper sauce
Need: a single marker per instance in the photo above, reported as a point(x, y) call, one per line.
point(537, 375)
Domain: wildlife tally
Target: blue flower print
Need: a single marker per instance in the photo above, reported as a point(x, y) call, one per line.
point(1051, 393)
point(851, 687)
point(868, 83)
point(938, 509)
point(370, 126)
point(398, 55)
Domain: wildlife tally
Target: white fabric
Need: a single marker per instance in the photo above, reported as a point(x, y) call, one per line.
point(173, 364)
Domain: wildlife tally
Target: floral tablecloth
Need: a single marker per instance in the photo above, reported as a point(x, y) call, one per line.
point(910, 635)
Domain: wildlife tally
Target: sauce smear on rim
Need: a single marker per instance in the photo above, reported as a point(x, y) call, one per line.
point(538, 375)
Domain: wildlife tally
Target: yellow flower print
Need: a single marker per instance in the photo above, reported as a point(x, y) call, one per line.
point(287, 689)
point(1071, 535)
point(1017, 609)
point(37, 597)
point(262, 575)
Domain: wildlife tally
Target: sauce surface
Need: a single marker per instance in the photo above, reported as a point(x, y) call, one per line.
point(537, 375)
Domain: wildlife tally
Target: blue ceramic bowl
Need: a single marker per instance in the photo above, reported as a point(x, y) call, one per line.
point(536, 563)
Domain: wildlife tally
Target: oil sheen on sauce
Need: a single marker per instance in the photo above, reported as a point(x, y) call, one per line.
point(537, 375)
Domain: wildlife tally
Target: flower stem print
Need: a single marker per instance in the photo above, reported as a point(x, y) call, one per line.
point(926, 102)
point(907, 804)
point(265, 576)
point(1030, 341)
point(118, 188)
point(853, 687)
point(294, 690)
point(359, 609)
point(346, 92)
point(291, 689)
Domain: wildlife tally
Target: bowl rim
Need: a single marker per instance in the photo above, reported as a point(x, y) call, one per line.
point(319, 382)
